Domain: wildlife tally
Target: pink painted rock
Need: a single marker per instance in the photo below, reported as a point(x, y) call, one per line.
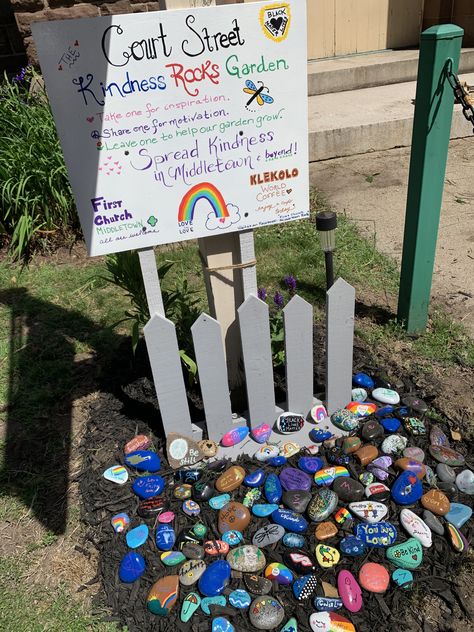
point(261, 433)
point(350, 591)
point(140, 442)
point(234, 436)
point(166, 517)
point(374, 577)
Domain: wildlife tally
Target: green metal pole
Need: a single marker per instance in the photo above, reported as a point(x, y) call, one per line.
point(440, 48)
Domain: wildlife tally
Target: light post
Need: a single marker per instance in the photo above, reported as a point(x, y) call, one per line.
point(326, 224)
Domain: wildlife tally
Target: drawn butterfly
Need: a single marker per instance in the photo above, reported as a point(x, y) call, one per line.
point(257, 93)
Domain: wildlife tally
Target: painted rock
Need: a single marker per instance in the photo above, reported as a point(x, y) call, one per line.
point(138, 536)
point(166, 517)
point(292, 478)
point(378, 535)
point(290, 626)
point(304, 587)
point(240, 599)
point(131, 567)
point(374, 577)
point(257, 584)
point(310, 464)
point(351, 444)
point(290, 448)
point(191, 603)
point(266, 613)
point(208, 448)
point(408, 555)
point(436, 502)
point(148, 486)
point(366, 454)
point(336, 456)
point(165, 537)
point(290, 520)
point(437, 437)
point(183, 491)
point(363, 380)
point(247, 559)
point(120, 522)
point(251, 497)
point(433, 523)
point(369, 511)
point(143, 461)
point(293, 540)
point(390, 424)
point(163, 595)
point(192, 551)
point(264, 510)
point(319, 435)
point(386, 396)
point(379, 467)
point(217, 466)
point(458, 514)
point(221, 624)
point(202, 491)
point(318, 413)
point(327, 475)
point(266, 452)
point(323, 504)
point(296, 500)
point(277, 461)
point(299, 561)
point(216, 600)
point(279, 573)
point(172, 558)
point(407, 489)
point(430, 476)
point(234, 436)
point(414, 426)
point(189, 477)
point(233, 516)
point(445, 473)
point(215, 578)
point(348, 489)
point(230, 479)
point(327, 556)
point(402, 577)
point(199, 530)
point(232, 537)
point(261, 433)
point(139, 442)
point(150, 507)
point(267, 535)
point(191, 508)
point(182, 451)
point(325, 531)
point(350, 591)
point(343, 516)
point(218, 502)
point(345, 420)
point(412, 466)
point(416, 527)
point(116, 474)
point(330, 622)
point(254, 479)
point(272, 488)
point(372, 430)
point(377, 491)
point(465, 482)
point(216, 547)
point(289, 422)
point(458, 541)
point(412, 452)
point(366, 478)
point(361, 409)
point(313, 449)
point(384, 411)
point(327, 604)
point(352, 546)
point(358, 394)
point(446, 455)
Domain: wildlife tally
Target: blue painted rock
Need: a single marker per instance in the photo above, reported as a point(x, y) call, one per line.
point(327, 604)
point(292, 478)
point(290, 520)
point(390, 424)
point(386, 396)
point(266, 613)
point(165, 537)
point(293, 540)
point(148, 486)
point(254, 479)
point(330, 622)
point(299, 561)
point(232, 537)
point(310, 464)
point(408, 555)
point(345, 420)
point(240, 599)
point(266, 452)
point(378, 535)
point(220, 624)
point(217, 600)
point(264, 510)
point(318, 435)
point(402, 577)
point(323, 504)
point(289, 422)
point(138, 536)
point(349, 590)
point(407, 489)
point(267, 535)
point(217, 502)
point(215, 578)
point(272, 488)
point(296, 500)
point(131, 567)
point(304, 587)
point(384, 411)
point(352, 546)
point(379, 467)
point(277, 461)
point(190, 476)
point(191, 508)
point(120, 522)
point(336, 456)
point(116, 474)
point(279, 573)
point(190, 571)
point(246, 559)
point(172, 558)
point(163, 595)
point(191, 603)
point(458, 514)
point(363, 380)
point(234, 436)
point(143, 461)
point(261, 433)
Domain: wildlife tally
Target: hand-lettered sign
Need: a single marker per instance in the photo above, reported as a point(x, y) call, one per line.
point(181, 124)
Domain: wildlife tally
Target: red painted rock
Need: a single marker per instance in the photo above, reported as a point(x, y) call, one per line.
point(140, 442)
point(230, 479)
point(374, 577)
point(436, 502)
point(216, 547)
point(233, 516)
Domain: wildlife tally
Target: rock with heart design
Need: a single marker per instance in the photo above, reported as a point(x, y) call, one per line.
point(324, 502)
point(233, 516)
point(374, 577)
point(182, 451)
point(327, 556)
point(266, 613)
point(304, 587)
point(407, 555)
point(267, 535)
point(139, 442)
point(299, 561)
point(446, 455)
point(230, 479)
point(362, 409)
point(261, 433)
point(163, 595)
point(330, 622)
point(208, 448)
point(350, 591)
point(215, 578)
point(377, 535)
point(288, 423)
point(369, 511)
point(416, 527)
point(327, 475)
point(436, 502)
point(292, 478)
point(272, 488)
point(191, 603)
point(407, 489)
point(411, 465)
point(348, 489)
point(296, 500)
point(247, 559)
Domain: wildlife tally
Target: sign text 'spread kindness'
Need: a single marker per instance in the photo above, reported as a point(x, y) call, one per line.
point(181, 124)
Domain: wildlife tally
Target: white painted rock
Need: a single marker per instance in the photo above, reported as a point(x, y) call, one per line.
point(416, 527)
point(386, 396)
point(369, 511)
point(266, 452)
point(330, 622)
point(465, 482)
point(394, 443)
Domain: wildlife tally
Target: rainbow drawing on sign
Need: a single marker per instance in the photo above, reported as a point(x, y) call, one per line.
point(206, 191)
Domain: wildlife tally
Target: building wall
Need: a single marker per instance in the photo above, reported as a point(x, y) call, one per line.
point(460, 12)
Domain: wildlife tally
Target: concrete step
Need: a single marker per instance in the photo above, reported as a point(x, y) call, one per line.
point(372, 119)
point(355, 72)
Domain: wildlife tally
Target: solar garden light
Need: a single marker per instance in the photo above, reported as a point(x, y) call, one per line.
point(326, 224)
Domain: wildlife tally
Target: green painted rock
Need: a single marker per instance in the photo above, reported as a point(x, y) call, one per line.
point(407, 555)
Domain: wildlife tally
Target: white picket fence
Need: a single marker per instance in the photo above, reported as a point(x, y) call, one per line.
point(162, 344)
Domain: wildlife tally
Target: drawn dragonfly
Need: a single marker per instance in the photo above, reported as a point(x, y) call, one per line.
point(257, 93)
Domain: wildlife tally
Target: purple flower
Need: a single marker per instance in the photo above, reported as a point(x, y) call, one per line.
point(262, 293)
point(278, 299)
point(290, 283)
point(21, 75)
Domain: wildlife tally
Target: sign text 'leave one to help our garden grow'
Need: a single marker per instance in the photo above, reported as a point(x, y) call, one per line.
point(181, 124)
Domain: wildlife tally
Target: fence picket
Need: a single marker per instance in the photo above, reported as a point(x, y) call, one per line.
point(163, 351)
point(298, 321)
point(257, 354)
point(340, 307)
point(207, 339)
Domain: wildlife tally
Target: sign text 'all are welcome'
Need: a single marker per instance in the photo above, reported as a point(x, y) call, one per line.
point(181, 124)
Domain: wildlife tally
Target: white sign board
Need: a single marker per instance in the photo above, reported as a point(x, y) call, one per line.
point(181, 124)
